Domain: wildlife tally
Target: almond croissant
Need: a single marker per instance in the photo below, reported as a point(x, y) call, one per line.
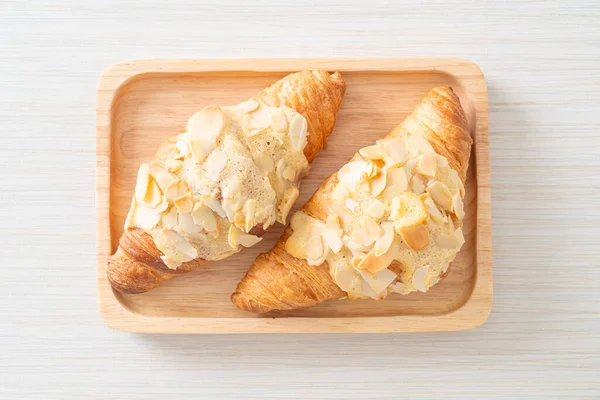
point(216, 187)
point(388, 221)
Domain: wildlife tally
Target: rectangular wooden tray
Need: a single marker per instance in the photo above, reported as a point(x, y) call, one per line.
point(141, 103)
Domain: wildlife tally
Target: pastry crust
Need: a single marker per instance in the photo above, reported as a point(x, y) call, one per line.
point(136, 266)
point(278, 281)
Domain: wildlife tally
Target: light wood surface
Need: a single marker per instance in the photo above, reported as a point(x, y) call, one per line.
point(141, 103)
point(541, 63)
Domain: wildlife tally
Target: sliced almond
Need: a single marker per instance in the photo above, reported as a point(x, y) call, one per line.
point(397, 177)
point(332, 239)
point(206, 125)
point(278, 120)
point(370, 172)
point(233, 236)
point(408, 210)
point(416, 237)
point(315, 248)
point(187, 224)
point(295, 246)
point(173, 165)
point(333, 222)
point(214, 204)
point(378, 183)
point(345, 216)
point(169, 219)
point(129, 220)
point(417, 184)
point(175, 189)
point(451, 241)
point(260, 115)
point(458, 207)
point(281, 166)
point(232, 188)
point(372, 227)
point(142, 183)
point(440, 193)
point(298, 132)
point(366, 231)
point(249, 214)
point(384, 241)
point(442, 161)
point(145, 217)
point(352, 173)
point(394, 151)
point(351, 204)
point(248, 240)
point(380, 281)
point(161, 175)
point(169, 239)
point(201, 148)
point(181, 149)
point(434, 212)
point(419, 279)
point(204, 217)
point(344, 276)
point(417, 144)
point(289, 173)
point(457, 182)
point(215, 164)
point(247, 106)
point(264, 162)
point(427, 164)
point(372, 152)
point(287, 201)
point(184, 203)
point(375, 209)
point(390, 193)
point(339, 193)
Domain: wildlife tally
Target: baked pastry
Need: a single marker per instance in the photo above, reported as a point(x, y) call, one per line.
point(388, 221)
point(218, 185)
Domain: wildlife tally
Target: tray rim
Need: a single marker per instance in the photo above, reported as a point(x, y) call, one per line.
point(471, 314)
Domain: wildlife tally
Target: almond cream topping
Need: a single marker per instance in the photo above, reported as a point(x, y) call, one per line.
point(400, 204)
point(204, 193)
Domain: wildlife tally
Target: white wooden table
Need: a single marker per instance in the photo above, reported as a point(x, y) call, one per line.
point(542, 63)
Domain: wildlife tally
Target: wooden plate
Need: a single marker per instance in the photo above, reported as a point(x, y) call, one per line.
point(141, 103)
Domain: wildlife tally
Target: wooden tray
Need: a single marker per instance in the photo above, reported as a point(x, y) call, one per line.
point(141, 103)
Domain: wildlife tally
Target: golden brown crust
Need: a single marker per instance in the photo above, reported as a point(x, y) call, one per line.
point(278, 281)
point(136, 267)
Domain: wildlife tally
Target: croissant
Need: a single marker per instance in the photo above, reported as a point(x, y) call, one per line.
point(388, 221)
point(218, 185)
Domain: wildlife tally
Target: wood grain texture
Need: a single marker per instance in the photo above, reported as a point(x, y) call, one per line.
point(140, 103)
point(542, 67)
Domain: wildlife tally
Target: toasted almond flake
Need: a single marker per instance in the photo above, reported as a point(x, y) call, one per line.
point(457, 182)
point(264, 162)
point(381, 281)
point(369, 173)
point(373, 152)
point(357, 259)
point(249, 214)
point(333, 222)
point(371, 226)
point(345, 216)
point(375, 209)
point(227, 205)
point(298, 132)
point(340, 193)
point(247, 106)
point(408, 210)
point(169, 219)
point(289, 173)
point(145, 217)
point(171, 239)
point(394, 151)
point(232, 189)
point(352, 173)
point(399, 287)
point(201, 148)
point(237, 203)
point(184, 203)
point(129, 221)
point(204, 217)
point(418, 278)
point(442, 161)
point(458, 207)
point(344, 276)
point(175, 189)
point(366, 231)
point(427, 164)
point(187, 224)
point(248, 240)
point(384, 241)
point(214, 204)
point(215, 164)
point(142, 182)
point(417, 184)
point(397, 177)
point(332, 238)
point(453, 240)
point(434, 212)
point(181, 149)
point(261, 115)
point(440, 193)
point(233, 236)
point(416, 237)
point(173, 165)
point(287, 201)
point(170, 263)
point(315, 248)
point(281, 166)
point(351, 204)
point(206, 125)
point(161, 175)
point(278, 120)
point(390, 193)
point(378, 183)
point(417, 144)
